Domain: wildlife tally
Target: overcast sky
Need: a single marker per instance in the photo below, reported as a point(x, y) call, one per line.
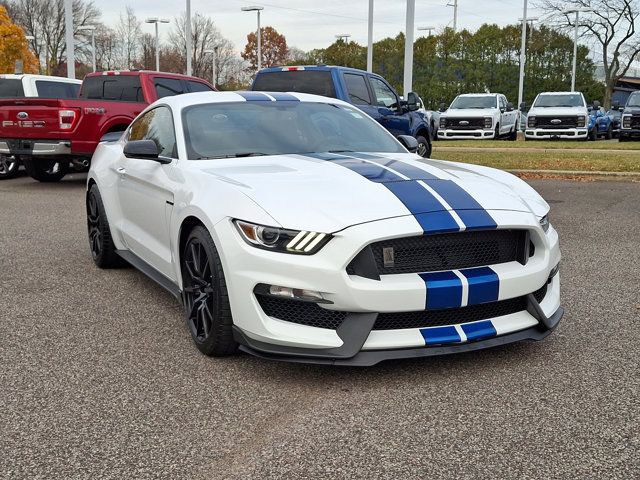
point(311, 24)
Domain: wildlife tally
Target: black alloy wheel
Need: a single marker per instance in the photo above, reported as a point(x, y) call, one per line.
point(205, 298)
point(9, 166)
point(424, 147)
point(101, 245)
point(45, 170)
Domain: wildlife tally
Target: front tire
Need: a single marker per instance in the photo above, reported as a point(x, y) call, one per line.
point(103, 251)
point(205, 296)
point(593, 134)
point(424, 147)
point(46, 170)
point(9, 166)
point(609, 134)
point(513, 135)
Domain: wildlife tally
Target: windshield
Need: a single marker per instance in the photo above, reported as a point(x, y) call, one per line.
point(634, 100)
point(224, 130)
point(475, 102)
point(559, 100)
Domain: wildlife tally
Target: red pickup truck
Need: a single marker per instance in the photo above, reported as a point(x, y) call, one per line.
point(49, 135)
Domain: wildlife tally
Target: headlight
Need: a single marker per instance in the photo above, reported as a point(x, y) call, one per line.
point(531, 121)
point(281, 240)
point(488, 122)
point(626, 121)
point(443, 122)
point(581, 121)
point(544, 223)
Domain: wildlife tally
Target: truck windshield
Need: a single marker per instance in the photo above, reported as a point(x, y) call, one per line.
point(226, 130)
point(11, 88)
point(302, 81)
point(634, 100)
point(474, 102)
point(559, 100)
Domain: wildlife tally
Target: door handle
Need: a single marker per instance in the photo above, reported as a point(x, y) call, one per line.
point(121, 170)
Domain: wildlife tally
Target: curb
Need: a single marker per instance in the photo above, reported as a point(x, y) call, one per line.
point(578, 173)
point(444, 148)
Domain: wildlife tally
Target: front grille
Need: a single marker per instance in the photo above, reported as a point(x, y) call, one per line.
point(302, 313)
point(310, 314)
point(635, 122)
point(472, 123)
point(565, 122)
point(453, 316)
point(447, 251)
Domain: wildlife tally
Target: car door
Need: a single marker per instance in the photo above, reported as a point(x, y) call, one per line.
point(360, 94)
point(390, 114)
point(504, 115)
point(145, 192)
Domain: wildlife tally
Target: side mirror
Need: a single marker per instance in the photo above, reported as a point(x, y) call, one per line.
point(509, 107)
point(443, 107)
point(523, 105)
point(409, 142)
point(412, 101)
point(589, 108)
point(143, 149)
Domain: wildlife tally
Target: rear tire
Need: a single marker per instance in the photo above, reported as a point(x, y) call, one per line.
point(205, 296)
point(9, 166)
point(609, 134)
point(103, 251)
point(424, 147)
point(513, 135)
point(46, 170)
point(593, 134)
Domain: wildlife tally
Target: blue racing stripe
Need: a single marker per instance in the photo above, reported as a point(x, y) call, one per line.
point(406, 169)
point(472, 214)
point(286, 97)
point(444, 290)
point(439, 335)
point(484, 285)
point(479, 330)
point(254, 97)
point(368, 170)
point(436, 222)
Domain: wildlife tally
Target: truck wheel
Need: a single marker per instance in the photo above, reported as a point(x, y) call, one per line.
point(513, 135)
point(8, 167)
point(609, 134)
point(593, 134)
point(103, 251)
point(424, 147)
point(46, 170)
point(496, 134)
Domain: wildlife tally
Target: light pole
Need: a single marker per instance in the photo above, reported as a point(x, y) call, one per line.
point(344, 37)
point(187, 34)
point(455, 14)
point(370, 39)
point(68, 27)
point(92, 29)
point(156, 21)
point(523, 43)
point(427, 29)
point(257, 9)
point(408, 47)
point(214, 58)
point(575, 42)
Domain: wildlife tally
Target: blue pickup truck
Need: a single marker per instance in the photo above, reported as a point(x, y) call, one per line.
point(369, 92)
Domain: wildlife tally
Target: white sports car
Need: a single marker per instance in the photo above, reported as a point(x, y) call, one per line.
point(296, 228)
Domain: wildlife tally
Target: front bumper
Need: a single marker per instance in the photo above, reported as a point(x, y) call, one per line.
point(246, 267)
point(629, 133)
point(35, 147)
point(563, 134)
point(478, 134)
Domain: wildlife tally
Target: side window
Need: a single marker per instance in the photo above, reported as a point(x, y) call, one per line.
point(385, 97)
point(167, 87)
point(503, 102)
point(124, 88)
point(156, 125)
point(198, 86)
point(49, 89)
point(357, 89)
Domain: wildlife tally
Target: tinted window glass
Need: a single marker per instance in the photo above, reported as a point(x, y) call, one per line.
point(385, 97)
point(634, 100)
point(219, 130)
point(559, 100)
point(478, 101)
point(156, 125)
point(303, 81)
point(125, 88)
point(198, 86)
point(51, 89)
point(11, 88)
point(357, 89)
point(167, 87)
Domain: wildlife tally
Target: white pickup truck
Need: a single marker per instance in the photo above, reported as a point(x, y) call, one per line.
point(478, 116)
point(16, 86)
point(561, 115)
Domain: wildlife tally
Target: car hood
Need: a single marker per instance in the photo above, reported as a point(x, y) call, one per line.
point(469, 112)
point(558, 111)
point(324, 192)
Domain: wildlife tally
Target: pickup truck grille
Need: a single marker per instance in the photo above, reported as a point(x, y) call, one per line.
point(556, 122)
point(635, 122)
point(464, 123)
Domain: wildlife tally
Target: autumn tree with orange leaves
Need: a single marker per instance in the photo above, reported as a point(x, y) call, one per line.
point(273, 46)
point(14, 46)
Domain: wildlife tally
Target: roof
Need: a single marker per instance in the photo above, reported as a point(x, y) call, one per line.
point(316, 68)
point(479, 94)
point(41, 77)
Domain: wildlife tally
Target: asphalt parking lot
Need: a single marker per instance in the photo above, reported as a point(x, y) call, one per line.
point(99, 377)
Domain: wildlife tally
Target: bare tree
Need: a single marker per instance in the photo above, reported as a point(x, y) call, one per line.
point(106, 48)
point(128, 32)
point(612, 25)
point(44, 20)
